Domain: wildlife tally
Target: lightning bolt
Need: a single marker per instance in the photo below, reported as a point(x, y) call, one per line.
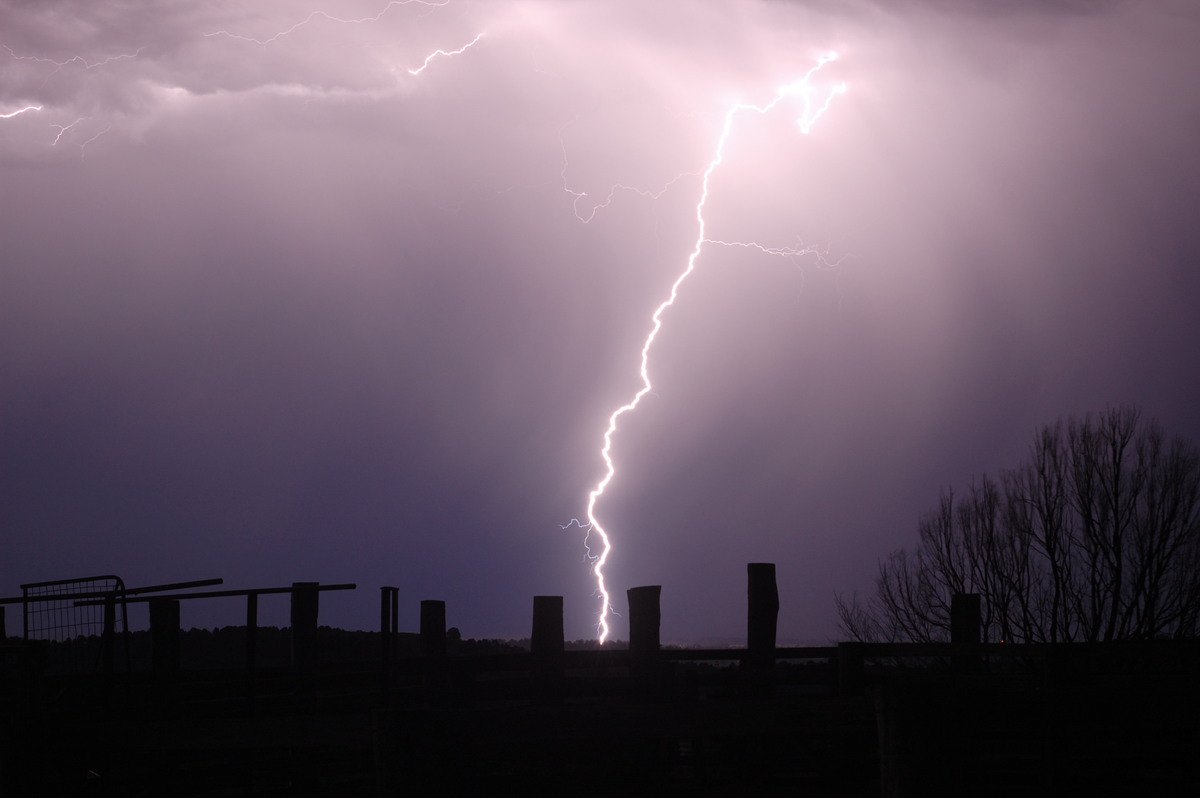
point(812, 111)
point(436, 53)
point(59, 65)
point(315, 15)
point(75, 59)
point(20, 111)
point(331, 18)
point(93, 138)
point(353, 21)
point(782, 252)
point(63, 129)
point(579, 196)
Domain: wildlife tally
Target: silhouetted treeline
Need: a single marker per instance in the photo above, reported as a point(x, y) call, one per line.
point(1094, 538)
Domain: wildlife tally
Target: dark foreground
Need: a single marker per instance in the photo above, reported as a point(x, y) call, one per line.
point(819, 722)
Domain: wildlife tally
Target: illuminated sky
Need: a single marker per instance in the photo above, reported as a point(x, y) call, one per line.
point(274, 309)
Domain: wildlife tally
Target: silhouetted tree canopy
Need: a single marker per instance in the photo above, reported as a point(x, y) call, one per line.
point(1095, 537)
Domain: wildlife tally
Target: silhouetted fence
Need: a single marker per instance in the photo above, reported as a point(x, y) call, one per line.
point(165, 621)
point(848, 668)
point(83, 617)
point(891, 719)
point(94, 609)
point(50, 612)
point(856, 718)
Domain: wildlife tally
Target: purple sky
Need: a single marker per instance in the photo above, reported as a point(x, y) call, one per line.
point(273, 309)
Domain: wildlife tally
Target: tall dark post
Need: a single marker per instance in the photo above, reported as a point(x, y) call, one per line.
point(644, 620)
point(389, 600)
point(305, 597)
point(108, 642)
point(385, 627)
point(546, 646)
point(164, 636)
point(385, 636)
point(251, 648)
point(966, 627)
point(251, 632)
point(966, 624)
point(433, 628)
point(3, 634)
point(762, 614)
point(850, 668)
point(433, 642)
point(547, 639)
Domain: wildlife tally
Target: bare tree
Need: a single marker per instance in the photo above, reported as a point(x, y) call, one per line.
point(1095, 537)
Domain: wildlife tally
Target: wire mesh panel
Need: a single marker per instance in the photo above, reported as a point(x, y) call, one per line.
point(82, 636)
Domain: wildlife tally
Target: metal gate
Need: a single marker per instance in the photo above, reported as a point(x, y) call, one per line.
point(84, 635)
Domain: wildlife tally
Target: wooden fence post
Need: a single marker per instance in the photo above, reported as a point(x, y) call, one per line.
point(305, 598)
point(164, 637)
point(762, 615)
point(108, 641)
point(389, 599)
point(251, 631)
point(966, 628)
point(547, 639)
point(546, 646)
point(385, 630)
point(251, 648)
point(850, 668)
point(433, 641)
point(433, 628)
point(645, 617)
